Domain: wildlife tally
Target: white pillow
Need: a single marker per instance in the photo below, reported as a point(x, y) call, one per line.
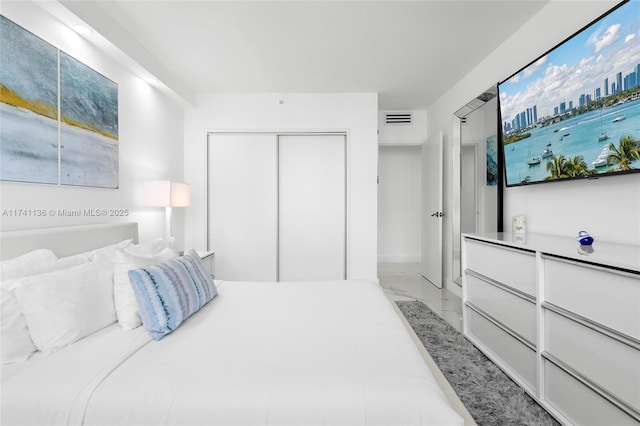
point(17, 344)
point(64, 306)
point(14, 334)
point(16, 341)
point(63, 263)
point(107, 253)
point(69, 261)
point(126, 305)
point(153, 247)
point(27, 264)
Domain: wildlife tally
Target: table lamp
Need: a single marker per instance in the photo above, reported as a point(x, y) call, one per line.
point(167, 194)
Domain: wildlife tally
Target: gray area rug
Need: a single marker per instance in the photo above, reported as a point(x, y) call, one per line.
point(489, 395)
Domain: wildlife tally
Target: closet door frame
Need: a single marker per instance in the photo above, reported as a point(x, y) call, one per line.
point(278, 134)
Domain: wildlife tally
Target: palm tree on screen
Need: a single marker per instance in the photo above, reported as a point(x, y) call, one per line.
point(627, 151)
point(557, 168)
point(576, 166)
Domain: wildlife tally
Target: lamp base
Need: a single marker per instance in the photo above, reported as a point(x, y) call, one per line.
point(167, 228)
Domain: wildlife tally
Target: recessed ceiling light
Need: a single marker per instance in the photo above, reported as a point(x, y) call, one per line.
point(81, 29)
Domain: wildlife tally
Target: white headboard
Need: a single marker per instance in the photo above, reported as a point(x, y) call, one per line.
point(65, 241)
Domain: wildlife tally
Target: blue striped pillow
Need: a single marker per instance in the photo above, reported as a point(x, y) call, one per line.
point(170, 292)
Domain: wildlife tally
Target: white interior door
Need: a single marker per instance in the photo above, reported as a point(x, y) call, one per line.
point(432, 159)
point(312, 207)
point(242, 205)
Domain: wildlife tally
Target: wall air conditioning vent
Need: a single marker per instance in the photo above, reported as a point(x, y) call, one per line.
point(398, 118)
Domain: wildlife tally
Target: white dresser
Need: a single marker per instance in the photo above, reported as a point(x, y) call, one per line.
point(561, 321)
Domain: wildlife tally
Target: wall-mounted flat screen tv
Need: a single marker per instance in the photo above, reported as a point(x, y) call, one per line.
point(575, 111)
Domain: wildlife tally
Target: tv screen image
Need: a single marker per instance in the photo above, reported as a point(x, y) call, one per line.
point(575, 111)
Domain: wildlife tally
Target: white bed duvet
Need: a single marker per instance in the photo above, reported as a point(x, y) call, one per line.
point(302, 353)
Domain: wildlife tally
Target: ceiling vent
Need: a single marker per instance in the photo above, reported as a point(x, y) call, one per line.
point(398, 118)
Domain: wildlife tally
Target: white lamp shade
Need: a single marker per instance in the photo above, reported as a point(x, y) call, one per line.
point(164, 193)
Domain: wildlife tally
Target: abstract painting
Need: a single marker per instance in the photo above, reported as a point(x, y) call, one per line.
point(29, 107)
point(88, 126)
point(67, 136)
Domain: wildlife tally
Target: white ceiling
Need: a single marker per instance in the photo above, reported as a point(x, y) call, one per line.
point(410, 52)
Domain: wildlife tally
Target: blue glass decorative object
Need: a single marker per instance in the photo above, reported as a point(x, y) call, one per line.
point(584, 238)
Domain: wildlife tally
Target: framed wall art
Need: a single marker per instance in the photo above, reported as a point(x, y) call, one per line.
point(59, 116)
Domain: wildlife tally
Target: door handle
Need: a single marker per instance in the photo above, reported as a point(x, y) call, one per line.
point(437, 214)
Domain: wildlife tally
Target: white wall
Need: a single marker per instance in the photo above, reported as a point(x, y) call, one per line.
point(399, 202)
point(150, 143)
point(551, 208)
point(354, 113)
point(403, 134)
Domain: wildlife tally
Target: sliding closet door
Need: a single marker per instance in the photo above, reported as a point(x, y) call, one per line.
point(312, 207)
point(242, 204)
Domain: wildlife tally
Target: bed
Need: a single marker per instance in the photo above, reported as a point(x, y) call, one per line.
point(288, 353)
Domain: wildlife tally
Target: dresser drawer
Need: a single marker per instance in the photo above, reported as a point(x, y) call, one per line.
point(513, 267)
point(577, 402)
point(512, 310)
point(606, 296)
point(614, 365)
point(519, 359)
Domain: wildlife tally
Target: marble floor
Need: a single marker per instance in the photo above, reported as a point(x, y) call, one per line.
point(403, 282)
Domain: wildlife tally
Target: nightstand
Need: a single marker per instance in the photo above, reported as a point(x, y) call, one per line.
point(208, 260)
